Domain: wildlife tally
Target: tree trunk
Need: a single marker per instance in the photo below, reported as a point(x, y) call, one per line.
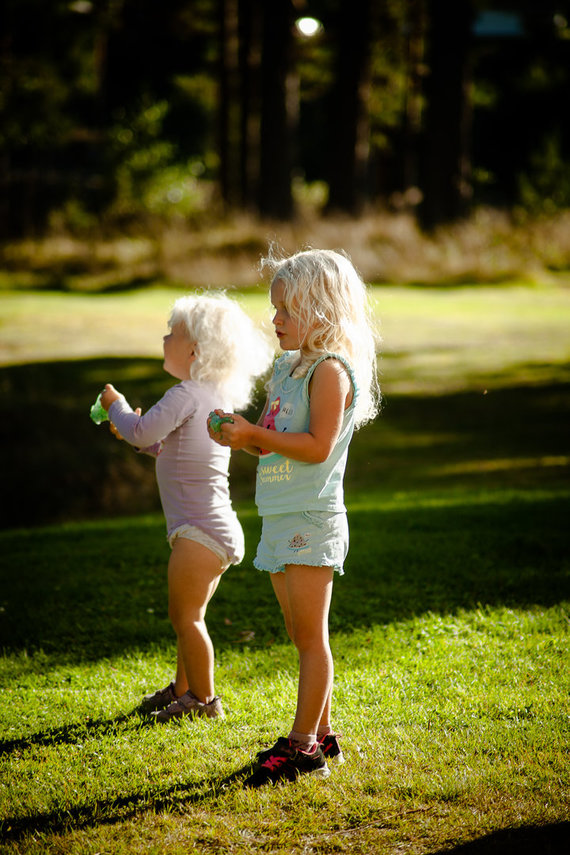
point(228, 102)
point(250, 21)
point(349, 123)
point(277, 111)
point(446, 179)
point(412, 115)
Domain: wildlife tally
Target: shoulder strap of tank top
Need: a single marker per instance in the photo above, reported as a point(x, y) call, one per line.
point(346, 364)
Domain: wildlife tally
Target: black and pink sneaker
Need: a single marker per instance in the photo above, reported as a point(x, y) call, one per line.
point(331, 749)
point(286, 763)
point(262, 756)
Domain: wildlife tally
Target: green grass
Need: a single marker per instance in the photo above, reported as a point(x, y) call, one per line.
point(450, 634)
point(450, 628)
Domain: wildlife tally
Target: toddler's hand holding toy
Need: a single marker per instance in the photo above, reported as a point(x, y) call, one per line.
point(108, 396)
point(99, 410)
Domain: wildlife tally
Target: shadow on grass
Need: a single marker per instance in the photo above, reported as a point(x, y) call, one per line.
point(71, 734)
point(175, 799)
point(60, 466)
point(98, 590)
point(548, 839)
point(488, 477)
point(552, 839)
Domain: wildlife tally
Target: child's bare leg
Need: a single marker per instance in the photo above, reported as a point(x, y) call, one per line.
point(193, 576)
point(180, 681)
point(324, 725)
point(304, 594)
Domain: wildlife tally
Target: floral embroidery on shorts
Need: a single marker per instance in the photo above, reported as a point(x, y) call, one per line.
point(299, 541)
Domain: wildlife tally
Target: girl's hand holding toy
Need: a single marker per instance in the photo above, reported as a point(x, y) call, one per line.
point(215, 421)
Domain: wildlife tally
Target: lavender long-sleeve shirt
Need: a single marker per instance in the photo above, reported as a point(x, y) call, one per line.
point(191, 469)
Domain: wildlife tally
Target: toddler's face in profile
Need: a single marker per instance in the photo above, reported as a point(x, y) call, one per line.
point(179, 352)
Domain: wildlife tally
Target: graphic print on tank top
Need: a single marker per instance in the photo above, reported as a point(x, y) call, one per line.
point(270, 416)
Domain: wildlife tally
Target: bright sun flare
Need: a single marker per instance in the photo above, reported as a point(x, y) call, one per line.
point(308, 26)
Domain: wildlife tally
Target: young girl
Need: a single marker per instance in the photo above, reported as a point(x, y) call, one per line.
point(215, 352)
point(321, 389)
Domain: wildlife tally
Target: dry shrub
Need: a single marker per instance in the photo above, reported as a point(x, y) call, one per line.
point(490, 246)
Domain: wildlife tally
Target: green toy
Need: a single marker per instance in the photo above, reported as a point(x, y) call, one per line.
point(215, 421)
point(98, 413)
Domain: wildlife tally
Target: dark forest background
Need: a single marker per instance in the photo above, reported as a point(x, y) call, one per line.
point(126, 111)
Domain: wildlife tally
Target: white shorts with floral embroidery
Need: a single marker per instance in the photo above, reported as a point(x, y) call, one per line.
point(314, 538)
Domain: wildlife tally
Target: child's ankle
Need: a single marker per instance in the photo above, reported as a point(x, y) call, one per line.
point(303, 741)
point(323, 730)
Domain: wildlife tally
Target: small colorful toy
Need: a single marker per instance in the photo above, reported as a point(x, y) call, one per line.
point(215, 421)
point(98, 413)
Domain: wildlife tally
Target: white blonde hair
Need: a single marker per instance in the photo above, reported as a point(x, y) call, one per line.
point(324, 293)
point(230, 352)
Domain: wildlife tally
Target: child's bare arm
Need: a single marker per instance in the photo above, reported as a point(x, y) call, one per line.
point(330, 392)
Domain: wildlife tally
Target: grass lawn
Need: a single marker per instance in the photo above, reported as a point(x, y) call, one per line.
point(450, 628)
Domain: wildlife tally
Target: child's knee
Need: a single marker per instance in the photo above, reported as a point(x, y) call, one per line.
point(184, 617)
point(306, 639)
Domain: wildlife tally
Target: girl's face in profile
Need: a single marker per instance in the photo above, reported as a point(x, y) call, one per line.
point(286, 328)
point(178, 352)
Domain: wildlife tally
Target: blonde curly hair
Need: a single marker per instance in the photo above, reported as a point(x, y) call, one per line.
point(230, 352)
point(325, 295)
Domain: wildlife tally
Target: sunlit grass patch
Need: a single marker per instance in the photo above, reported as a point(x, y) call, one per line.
point(452, 725)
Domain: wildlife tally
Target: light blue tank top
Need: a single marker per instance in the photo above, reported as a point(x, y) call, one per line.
point(284, 485)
